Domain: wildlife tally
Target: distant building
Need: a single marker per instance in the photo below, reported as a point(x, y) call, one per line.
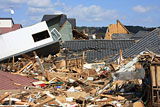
point(7, 25)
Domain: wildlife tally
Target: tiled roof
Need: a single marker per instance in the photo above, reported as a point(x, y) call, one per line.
point(122, 36)
point(150, 42)
point(62, 17)
point(97, 49)
point(72, 21)
point(83, 45)
point(8, 80)
point(4, 30)
point(139, 35)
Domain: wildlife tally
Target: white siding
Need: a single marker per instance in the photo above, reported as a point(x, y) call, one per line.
point(22, 40)
point(6, 23)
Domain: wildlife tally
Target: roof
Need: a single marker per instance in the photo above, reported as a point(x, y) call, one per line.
point(122, 36)
point(139, 35)
point(150, 42)
point(97, 49)
point(8, 80)
point(83, 45)
point(62, 17)
point(72, 21)
point(4, 30)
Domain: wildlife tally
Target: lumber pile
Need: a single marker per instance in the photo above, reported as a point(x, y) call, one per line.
point(74, 83)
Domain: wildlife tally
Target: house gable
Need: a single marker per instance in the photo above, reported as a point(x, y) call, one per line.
point(115, 29)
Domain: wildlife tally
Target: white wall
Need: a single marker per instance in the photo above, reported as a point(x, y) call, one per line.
point(21, 40)
point(6, 23)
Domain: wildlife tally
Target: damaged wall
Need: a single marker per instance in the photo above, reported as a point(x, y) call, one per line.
point(66, 31)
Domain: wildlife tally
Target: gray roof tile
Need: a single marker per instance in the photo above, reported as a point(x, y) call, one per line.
point(97, 49)
point(150, 42)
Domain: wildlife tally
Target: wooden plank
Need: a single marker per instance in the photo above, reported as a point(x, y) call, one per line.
point(13, 64)
point(138, 104)
point(25, 66)
point(158, 75)
point(153, 75)
point(4, 96)
point(24, 103)
point(48, 99)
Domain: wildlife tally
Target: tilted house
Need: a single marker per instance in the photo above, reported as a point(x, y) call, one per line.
point(7, 25)
point(115, 29)
point(63, 24)
point(26, 40)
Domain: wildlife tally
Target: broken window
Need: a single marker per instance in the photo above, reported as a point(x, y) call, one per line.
point(40, 36)
point(55, 34)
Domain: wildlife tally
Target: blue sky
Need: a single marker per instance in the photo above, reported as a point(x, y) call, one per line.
point(87, 12)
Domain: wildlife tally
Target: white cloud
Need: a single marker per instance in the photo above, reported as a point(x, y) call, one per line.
point(35, 13)
point(39, 3)
point(37, 8)
point(91, 13)
point(16, 1)
point(142, 9)
point(33, 3)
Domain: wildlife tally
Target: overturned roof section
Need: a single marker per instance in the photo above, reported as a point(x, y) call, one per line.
point(97, 49)
point(8, 81)
point(150, 42)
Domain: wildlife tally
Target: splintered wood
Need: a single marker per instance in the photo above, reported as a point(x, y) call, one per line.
point(75, 83)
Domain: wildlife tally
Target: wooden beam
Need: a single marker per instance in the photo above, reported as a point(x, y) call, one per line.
point(4, 96)
point(31, 62)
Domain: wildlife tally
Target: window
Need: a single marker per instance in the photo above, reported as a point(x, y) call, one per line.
point(55, 34)
point(40, 36)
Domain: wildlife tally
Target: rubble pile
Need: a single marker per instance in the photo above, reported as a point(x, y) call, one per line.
point(75, 83)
